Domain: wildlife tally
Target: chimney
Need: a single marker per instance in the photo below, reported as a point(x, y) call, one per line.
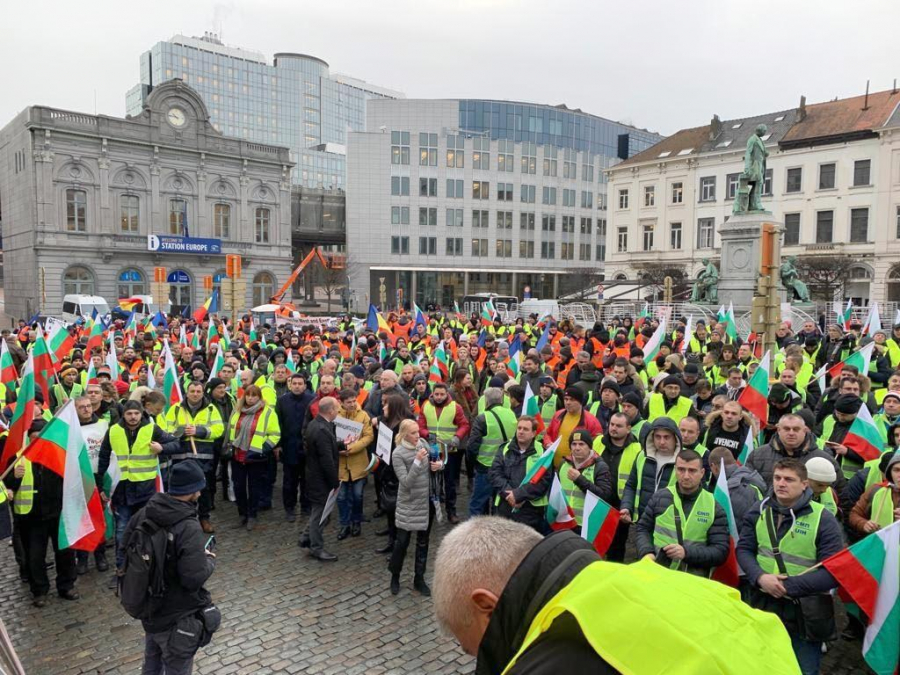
point(715, 127)
point(801, 111)
point(866, 101)
point(894, 90)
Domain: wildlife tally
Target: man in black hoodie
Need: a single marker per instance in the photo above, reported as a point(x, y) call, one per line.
point(184, 615)
point(291, 410)
point(618, 447)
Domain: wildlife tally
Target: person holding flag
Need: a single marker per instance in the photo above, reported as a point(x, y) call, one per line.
point(517, 498)
point(879, 506)
point(849, 431)
point(67, 386)
point(583, 471)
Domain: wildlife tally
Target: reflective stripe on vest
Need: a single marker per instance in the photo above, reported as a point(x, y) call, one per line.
point(694, 527)
point(209, 417)
point(574, 494)
point(629, 454)
point(494, 438)
point(260, 432)
point(441, 426)
point(676, 413)
point(882, 507)
point(137, 463)
point(797, 546)
point(24, 497)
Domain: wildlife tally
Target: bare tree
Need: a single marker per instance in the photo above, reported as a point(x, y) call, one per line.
point(581, 280)
point(333, 277)
point(826, 275)
point(654, 274)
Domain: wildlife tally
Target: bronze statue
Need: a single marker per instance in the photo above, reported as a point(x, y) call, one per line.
point(706, 288)
point(790, 279)
point(750, 188)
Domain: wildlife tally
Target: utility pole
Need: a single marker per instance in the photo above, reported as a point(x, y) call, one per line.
point(765, 314)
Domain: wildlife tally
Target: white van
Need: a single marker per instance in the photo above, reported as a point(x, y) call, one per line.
point(75, 306)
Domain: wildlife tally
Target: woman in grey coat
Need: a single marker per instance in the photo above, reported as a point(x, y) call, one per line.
point(414, 508)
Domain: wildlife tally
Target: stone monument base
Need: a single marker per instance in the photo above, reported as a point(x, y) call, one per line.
point(739, 267)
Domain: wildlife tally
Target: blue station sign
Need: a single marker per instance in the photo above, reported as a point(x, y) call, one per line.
point(164, 243)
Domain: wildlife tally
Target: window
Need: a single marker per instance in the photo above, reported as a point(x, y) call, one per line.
point(399, 147)
point(222, 221)
point(428, 187)
point(549, 160)
point(177, 216)
point(262, 226)
point(794, 180)
point(400, 186)
point(675, 236)
point(131, 283)
point(427, 216)
point(454, 218)
point(428, 149)
point(526, 221)
point(648, 236)
point(505, 155)
point(622, 240)
point(481, 189)
point(504, 192)
point(455, 189)
point(504, 220)
point(454, 246)
point(568, 197)
point(427, 245)
point(767, 184)
point(456, 155)
point(862, 169)
point(549, 195)
point(623, 199)
point(526, 194)
point(526, 249)
point(584, 251)
point(732, 181)
point(859, 225)
point(898, 222)
point(826, 176)
point(263, 288)
point(568, 223)
point(587, 175)
point(650, 195)
point(824, 227)
point(601, 202)
point(587, 199)
point(570, 170)
point(399, 215)
point(504, 248)
point(481, 154)
point(791, 229)
point(677, 193)
point(480, 219)
point(548, 223)
point(567, 251)
point(705, 232)
point(480, 248)
point(78, 280)
point(400, 245)
point(548, 250)
point(586, 224)
point(76, 210)
point(529, 159)
point(601, 251)
point(129, 206)
point(708, 189)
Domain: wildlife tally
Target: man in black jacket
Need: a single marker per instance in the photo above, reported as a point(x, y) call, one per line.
point(322, 454)
point(179, 619)
point(514, 500)
point(291, 410)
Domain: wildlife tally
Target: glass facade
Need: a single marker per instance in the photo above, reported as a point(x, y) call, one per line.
point(294, 102)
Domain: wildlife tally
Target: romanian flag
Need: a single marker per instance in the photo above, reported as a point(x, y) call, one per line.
point(864, 437)
point(599, 523)
point(203, 310)
point(128, 304)
point(541, 466)
point(727, 573)
point(755, 396)
point(22, 415)
point(560, 514)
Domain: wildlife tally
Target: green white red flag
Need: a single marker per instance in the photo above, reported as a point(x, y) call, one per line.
point(540, 468)
point(727, 573)
point(688, 334)
point(112, 359)
point(253, 335)
point(95, 340)
point(755, 396)
point(219, 361)
point(288, 362)
point(8, 373)
point(864, 437)
point(488, 313)
point(44, 368)
point(182, 337)
point(747, 449)
point(869, 575)
point(23, 415)
point(873, 320)
point(599, 523)
point(651, 349)
point(61, 341)
point(845, 314)
point(212, 335)
point(440, 365)
point(560, 514)
point(531, 407)
point(858, 359)
point(92, 374)
point(170, 389)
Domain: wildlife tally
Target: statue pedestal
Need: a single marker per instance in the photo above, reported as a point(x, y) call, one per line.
point(739, 268)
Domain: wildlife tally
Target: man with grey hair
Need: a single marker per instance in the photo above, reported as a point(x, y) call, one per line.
point(388, 381)
point(491, 430)
point(322, 454)
point(497, 590)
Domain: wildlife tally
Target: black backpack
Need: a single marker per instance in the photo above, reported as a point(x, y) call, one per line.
point(143, 578)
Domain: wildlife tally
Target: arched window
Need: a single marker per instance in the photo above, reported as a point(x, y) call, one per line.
point(78, 280)
point(132, 282)
point(263, 288)
point(893, 284)
point(262, 226)
point(621, 276)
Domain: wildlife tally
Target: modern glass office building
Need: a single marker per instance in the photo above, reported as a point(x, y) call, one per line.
point(295, 101)
point(450, 197)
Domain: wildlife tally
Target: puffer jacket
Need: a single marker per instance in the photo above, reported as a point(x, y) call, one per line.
point(763, 459)
point(414, 487)
point(741, 481)
point(657, 470)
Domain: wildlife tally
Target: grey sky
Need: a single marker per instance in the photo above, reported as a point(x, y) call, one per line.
point(658, 64)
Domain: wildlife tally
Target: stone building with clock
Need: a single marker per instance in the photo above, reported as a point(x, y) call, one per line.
point(85, 200)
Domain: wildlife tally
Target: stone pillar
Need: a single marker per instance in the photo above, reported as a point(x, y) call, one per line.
point(555, 285)
point(413, 287)
point(514, 277)
point(739, 268)
point(465, 283)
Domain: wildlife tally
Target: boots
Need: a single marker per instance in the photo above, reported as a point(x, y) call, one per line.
point(100, 561)
point(420, 564)
point(387, 548)
point(395, 584)
point(420, 585)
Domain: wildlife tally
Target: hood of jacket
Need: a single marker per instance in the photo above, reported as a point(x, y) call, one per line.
point(800, 507)
point(524, 596)
point(163, 509)
point(661, 423)
point(741, 475)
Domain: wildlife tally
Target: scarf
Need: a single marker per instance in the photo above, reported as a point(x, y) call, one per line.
point(580, 465)
point(243, 431)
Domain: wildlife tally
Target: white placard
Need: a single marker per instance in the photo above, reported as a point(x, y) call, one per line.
point(344, 428)
point(93, 437)
point(385, 439)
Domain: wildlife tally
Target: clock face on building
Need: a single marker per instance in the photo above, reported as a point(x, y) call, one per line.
point(176, 117)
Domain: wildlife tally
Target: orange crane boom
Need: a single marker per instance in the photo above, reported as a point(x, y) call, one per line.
point(313, 254)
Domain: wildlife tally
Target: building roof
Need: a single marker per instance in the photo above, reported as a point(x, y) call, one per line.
point(845, 117)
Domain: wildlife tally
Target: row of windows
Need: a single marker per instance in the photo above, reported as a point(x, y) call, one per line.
point(502, 248)
point(130, 209)
point(428, 216)
point(481, 189)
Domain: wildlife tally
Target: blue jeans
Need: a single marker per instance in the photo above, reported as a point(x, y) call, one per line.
point(809, 655)
point(482, 490)
point(123, 514)
point(350, 502)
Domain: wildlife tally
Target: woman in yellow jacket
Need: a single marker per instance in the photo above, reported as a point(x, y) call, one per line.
point(353, 465)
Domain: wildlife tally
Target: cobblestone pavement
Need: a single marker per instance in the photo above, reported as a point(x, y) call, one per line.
point(282, 613)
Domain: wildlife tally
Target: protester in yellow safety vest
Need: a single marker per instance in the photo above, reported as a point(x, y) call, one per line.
point(781, 539)
point(682, 527)
point(835, 428)
point(670, 403)
point(521, 501)
point(590, 616)
point(67, 387)
point(491, 430)
point(822, 475)
point(583, 471)
point(880, 505)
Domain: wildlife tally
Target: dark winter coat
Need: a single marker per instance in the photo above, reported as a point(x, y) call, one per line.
point(291, 411)
point(741, 483)
point(507, 473)
point(763, 459)
point(656, 473)
point(128, 492)
point(322, 454)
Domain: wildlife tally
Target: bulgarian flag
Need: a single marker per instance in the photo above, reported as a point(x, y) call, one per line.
point(643, 316)
point(541, 466)
point(873, 320)
point(440, 367)
point(459, 315)
point(727, 573)
point(61, 341)
point(195, 338)
point(869, 575)
point(560, 514)
point(843, 317)
point(289, 362)
point(22, 416)
point(864, 437)
point(859, 359)
point(171, 390)
point(755, 395)
point(61, 448)
point(95, 340)
point(92, 374)
point(382, 352)
point(212, 335)
point(731, 323)
point(8, 374)
point(688, 334)
point(747, 449)
point(219, 361)
point(514, 365)
point(530, 407)
point(488, 313)
point(112, 360)
point(110, 480)
point(226, 336)
point(253, 335)
point(651, 349)
point(44, 369)
point(182, 337)
point(599, 523)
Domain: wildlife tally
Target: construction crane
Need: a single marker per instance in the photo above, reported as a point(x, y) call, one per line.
point(328, 263)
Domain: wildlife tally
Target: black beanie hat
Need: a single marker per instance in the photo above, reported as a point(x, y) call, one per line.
point(186, 478)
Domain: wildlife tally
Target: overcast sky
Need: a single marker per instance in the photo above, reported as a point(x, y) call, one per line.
point(657, 64)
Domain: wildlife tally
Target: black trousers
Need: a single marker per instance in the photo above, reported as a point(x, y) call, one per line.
point(35, 534)
point(616, 552)
point(451, 480)
point(268, 483)
point(207, 494)
point(401, 544)
point(294, 480)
